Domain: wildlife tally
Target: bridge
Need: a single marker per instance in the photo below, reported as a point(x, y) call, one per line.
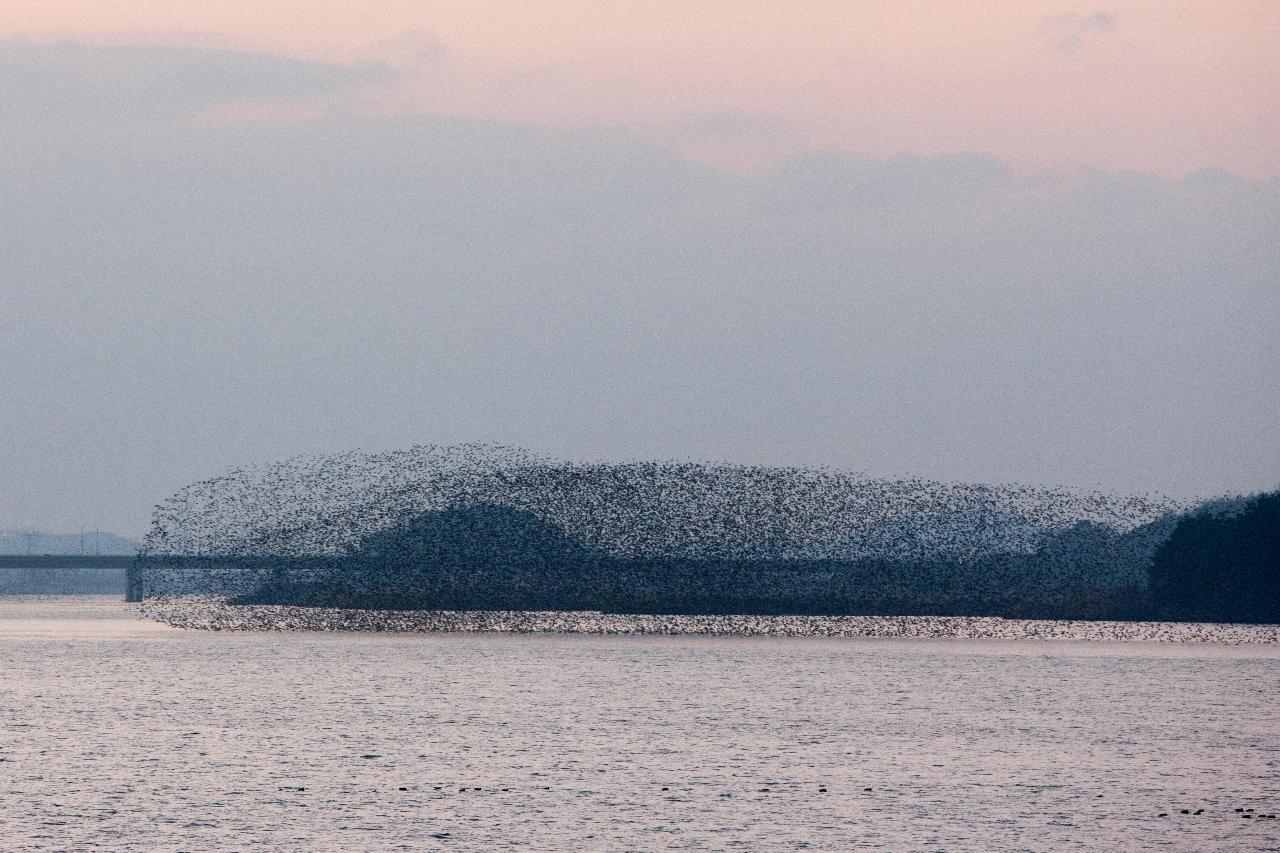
point(64, 574)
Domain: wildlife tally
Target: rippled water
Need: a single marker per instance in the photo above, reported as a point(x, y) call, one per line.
point(119, 733)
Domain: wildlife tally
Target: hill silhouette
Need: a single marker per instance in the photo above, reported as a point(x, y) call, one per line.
point(489, 557)
point(486, 557)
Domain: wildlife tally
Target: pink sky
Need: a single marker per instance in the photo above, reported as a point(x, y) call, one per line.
point(1167, 86)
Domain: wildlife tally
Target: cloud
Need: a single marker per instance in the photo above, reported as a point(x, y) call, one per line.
point(80, 81)
point(200, 295)
point(729, 123)
point(834, 180)
point(1073, 32)
point(413, 48)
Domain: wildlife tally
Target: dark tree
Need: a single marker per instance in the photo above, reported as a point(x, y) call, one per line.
point(1221, 567)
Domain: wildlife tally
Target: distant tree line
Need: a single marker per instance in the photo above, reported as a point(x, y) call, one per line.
point(1221, 566)
point(1220, 563)
point(496, 558)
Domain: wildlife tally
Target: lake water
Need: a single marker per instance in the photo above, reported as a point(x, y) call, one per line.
point(118, 733)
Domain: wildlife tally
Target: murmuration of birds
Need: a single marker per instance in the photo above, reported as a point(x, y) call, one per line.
point(489, 529)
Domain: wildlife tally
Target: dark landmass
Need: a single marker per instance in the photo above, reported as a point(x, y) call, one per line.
point(1221, 566)
point(1204, 567)
point(497, 558)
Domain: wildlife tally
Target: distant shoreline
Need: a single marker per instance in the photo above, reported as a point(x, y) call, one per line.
point(210, 615)
point(67, 561)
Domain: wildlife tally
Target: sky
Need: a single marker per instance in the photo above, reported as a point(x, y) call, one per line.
point(1036, 242)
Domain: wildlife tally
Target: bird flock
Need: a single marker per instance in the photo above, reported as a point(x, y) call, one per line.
point(698, 536)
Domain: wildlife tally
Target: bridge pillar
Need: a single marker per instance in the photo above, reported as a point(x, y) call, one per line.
point(133, 581)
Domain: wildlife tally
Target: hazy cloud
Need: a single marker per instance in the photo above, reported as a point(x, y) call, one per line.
point(1072, 31)
point(413, 46)
point(729, 124)
point(79, 81)
point(194, 296)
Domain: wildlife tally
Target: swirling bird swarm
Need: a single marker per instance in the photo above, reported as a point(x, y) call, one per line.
point(482, 526)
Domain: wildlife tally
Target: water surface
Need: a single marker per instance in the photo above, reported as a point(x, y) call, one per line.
point(118, 733)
